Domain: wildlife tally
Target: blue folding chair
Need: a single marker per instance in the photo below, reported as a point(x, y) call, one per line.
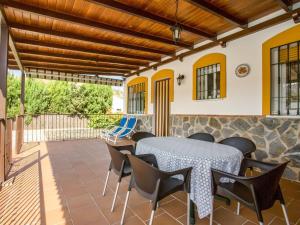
point(126, 132)
point(113, 130)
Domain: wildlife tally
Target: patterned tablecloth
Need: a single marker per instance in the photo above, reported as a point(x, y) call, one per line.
point(175, 153)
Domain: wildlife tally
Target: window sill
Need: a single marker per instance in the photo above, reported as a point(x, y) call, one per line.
point(211, 99)
point(284, 117)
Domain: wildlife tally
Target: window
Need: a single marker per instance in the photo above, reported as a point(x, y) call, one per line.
point(285, 74)
point(136, 99)
point(208, 82)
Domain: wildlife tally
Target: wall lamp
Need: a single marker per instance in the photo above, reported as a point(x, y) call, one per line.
point(180, 79)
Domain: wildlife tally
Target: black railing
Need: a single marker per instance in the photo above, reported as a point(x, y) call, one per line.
point(58, 127)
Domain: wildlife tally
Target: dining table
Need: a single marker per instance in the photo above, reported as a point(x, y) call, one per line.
point(173, 153)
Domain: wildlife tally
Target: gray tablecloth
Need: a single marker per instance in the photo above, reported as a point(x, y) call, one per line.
point(175, 153)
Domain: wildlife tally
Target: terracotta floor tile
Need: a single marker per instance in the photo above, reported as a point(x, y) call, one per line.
point(226, 217)
point(132, 221)
point(63, 183)
point(164, 219)
point(144, 209)
point(86, 215)
point(293, 210)
point(175, 208)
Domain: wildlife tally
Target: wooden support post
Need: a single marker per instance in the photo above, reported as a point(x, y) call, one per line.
point(3, 88)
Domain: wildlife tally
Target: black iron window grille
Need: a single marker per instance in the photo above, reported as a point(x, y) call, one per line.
point(208, 82)
point(285, 79)
point(136, 99)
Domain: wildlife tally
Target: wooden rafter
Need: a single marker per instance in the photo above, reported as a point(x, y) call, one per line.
point(80, 62)
point(85, 22)
point(85, 38)
point(13, 65)
point(271, 22)
point(90, 51)
point(146, 15)
point(285, 4)
point(69, 64)
point(219, 12)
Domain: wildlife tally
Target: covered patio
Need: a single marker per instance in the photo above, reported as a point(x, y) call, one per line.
point(62, 183)
point(221, 69)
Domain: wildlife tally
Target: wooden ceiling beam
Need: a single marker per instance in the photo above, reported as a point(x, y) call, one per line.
point(86, 39)
point(78, 66)
point(67, 70)
point(250, 30)
point(219, 12)
point(149, 16)
point(85, 22)
point(286, 5)
point(29, 54)
point(89, 51)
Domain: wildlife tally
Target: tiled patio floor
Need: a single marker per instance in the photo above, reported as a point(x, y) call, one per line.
point(61, 183)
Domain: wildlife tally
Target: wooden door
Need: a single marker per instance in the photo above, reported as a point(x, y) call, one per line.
point(162, 107)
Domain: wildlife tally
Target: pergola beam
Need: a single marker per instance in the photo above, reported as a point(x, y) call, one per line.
point(86, 39)
point(149, 16)
point(89, 51)
point(286, 5)
point(219, 12)
point(95, 69)
point(85, 22)
point(81, 61)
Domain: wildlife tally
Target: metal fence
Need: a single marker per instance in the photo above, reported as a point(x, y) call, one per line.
point(58, 127)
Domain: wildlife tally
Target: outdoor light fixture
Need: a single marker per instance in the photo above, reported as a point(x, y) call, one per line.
point(176, 29)
point(180, 79)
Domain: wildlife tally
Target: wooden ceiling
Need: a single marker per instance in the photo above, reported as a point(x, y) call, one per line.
point(120, 37)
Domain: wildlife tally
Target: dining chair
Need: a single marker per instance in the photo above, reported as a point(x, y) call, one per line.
point(245, 145)
point(258, 192)
point(157, 184)
point(202, 137)
point(119, 164)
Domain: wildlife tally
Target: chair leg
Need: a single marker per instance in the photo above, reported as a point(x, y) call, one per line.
point(212, 211)
point(106, 180)
point(285, 214)
point(238, 208)
point(125, 206)
point(188, 216)
point(115, 196)
point(151, 217)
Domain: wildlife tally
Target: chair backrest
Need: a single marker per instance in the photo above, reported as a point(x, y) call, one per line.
point(245, 145)
point(145, 176)
point(131, 123)
point(117, 158)
point(123, 121)
point(202, 137)
point(141, 135)
point(267, 187)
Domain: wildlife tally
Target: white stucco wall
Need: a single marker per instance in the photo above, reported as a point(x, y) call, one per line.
point(243, 95)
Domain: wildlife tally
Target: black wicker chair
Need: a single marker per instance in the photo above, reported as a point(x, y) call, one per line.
point(257, 193)
point(157, 184)
point(245, 145)
point(202, 137)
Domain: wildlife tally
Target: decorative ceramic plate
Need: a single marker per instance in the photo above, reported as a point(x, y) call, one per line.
point(242, 70)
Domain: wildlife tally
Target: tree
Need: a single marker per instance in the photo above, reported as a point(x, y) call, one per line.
point(36, 97)
point(13, 95)
point(60, 95)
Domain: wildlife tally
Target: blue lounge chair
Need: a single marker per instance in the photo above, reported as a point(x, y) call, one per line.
point(113, 130)
point(126, 132)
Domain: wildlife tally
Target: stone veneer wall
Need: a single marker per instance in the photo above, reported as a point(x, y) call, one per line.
point(276, 139)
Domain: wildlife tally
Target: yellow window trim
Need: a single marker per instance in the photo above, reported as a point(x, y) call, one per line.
point(161, 75)
point(207, 60)
point(285, 37)
point(139, 80)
